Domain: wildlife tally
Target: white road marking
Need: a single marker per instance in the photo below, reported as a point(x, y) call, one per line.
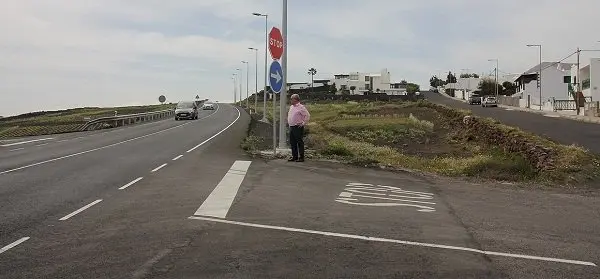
point(91, 150)
point(177, 158)
point(395, 241)
point(508, 109)
point(16, 149)
point(24, 142)
point(552, 115)
point(63, 140)
point(12, 245)
point(357, 193)
point(220, 199)
point(159, 167)
point(42, 144)
point(207, 140)
point(130, 183)
point(79, 210)
point(103, 147)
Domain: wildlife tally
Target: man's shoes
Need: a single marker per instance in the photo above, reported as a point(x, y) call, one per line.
point(292, 160)
point(300, 160)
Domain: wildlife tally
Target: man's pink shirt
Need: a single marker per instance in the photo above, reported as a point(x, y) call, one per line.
point(298, 115)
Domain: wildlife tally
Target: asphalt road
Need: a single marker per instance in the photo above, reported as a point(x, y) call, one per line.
point(216, 213)
point(565, 131)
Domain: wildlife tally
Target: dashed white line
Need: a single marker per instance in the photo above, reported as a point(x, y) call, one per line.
point(215, 135)
point(12, 245)
point(159, 167)
point(177, 158)
point(16, 149)
point(24, 142)
point(42, 144)
point(395, 241)
point(79, 210)
point(131, 183)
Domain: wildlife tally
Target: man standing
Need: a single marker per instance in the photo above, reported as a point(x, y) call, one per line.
point(298, 116)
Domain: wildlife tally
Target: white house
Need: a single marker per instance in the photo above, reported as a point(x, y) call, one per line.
point(553, 86)
point(364, 82)
point(589, 76)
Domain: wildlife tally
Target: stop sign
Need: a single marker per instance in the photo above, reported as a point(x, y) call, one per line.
point(275, 43)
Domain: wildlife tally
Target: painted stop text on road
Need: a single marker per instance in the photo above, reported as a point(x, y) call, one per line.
point(365, 194)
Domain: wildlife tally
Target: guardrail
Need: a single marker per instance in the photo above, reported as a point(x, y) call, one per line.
point(128, 119)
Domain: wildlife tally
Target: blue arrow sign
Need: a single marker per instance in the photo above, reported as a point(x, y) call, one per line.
point(276, 77)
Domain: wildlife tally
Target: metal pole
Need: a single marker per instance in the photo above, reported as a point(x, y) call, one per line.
point(540, 77)
point(234, 89)
point(496, 86)
point(247, 78)
point(256, 77)
point(240, 80)
point(266, 67)
point(283, 97)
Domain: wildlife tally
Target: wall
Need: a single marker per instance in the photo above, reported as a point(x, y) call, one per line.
point(553, 85)
point(595, 79)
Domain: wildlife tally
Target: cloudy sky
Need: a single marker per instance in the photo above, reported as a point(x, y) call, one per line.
point(70, 53)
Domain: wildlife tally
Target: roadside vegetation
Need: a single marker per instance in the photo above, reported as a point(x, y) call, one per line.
point(437, 139)
point(63, 121)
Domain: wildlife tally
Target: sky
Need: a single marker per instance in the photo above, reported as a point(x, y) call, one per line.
point(63, 53)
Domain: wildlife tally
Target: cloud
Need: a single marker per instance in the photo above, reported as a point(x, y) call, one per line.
point(111, 52)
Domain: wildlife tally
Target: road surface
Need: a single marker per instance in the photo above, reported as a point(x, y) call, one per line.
point(563, 130)
point(107, 206)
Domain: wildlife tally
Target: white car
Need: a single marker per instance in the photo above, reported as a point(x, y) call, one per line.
point(208, 106)
point(489, 102)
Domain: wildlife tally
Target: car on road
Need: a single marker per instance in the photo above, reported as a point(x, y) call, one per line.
point(475, 100)
point(186, 110)
point(208, 106)
point(489, 102)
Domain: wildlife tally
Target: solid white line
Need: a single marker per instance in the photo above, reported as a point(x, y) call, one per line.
point(159, 167)
point(91, 150)
point(131, 183)
point(12, 245)
point(379, 239)
point(16, 149)
point(177, 158)
point(63, 140)
point(221, 198)
point(24, 142)
point(80, 210)
point(42, 144)
point(103, 147)
point(215, 135)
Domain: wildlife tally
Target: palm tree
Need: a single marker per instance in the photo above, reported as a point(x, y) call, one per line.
point(312, 72)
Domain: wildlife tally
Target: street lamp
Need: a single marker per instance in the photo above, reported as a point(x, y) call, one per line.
point(234, 88)
point(240, 82)
point(540, 73)
point(256, 77)
point(264, 119)
point(247, 74)
point(496, 76)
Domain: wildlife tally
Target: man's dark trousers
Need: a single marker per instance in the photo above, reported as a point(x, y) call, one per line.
point(297, 141)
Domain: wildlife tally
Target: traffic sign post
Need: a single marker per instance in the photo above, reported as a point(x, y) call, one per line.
point(275, 43)
point(276, 77)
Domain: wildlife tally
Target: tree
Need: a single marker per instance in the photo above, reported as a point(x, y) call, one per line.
point(509, 88)
point(450, 78)
point(486, 87)
point(377, 90)
point(403, 82)
point(412, 88)
point(469, 75)
point(475, 75)
point(436, 82)
point(312, 72)
point(352, 88)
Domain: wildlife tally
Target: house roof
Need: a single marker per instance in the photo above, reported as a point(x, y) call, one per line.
point(559, 65)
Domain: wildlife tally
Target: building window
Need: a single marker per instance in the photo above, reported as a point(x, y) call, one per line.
point(367, 78)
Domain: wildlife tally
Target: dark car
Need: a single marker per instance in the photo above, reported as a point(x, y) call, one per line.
point(475, 100)
point(186, 110)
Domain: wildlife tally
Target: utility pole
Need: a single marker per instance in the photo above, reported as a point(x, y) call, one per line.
point(539, 77)
point(234, 89)
point(240, 82)
point(256, 77)
point(283, 96)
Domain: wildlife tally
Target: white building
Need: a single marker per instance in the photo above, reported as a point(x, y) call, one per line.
point(553, 85)
point(364, 82)
point(589, 76)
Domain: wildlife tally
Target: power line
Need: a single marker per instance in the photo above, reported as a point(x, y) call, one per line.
point(559, 61)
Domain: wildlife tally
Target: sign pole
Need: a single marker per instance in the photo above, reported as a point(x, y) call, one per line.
point(283, 96)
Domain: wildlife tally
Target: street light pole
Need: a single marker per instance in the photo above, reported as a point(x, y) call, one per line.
point(283, 95)
point(247, 75)
point(495, 77)
point(240, 82)
point(540, 73)
point(234, 89)
point(256, 77)
point(264, 119)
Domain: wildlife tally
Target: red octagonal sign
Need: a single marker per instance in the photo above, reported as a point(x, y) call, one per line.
point(275, 43)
